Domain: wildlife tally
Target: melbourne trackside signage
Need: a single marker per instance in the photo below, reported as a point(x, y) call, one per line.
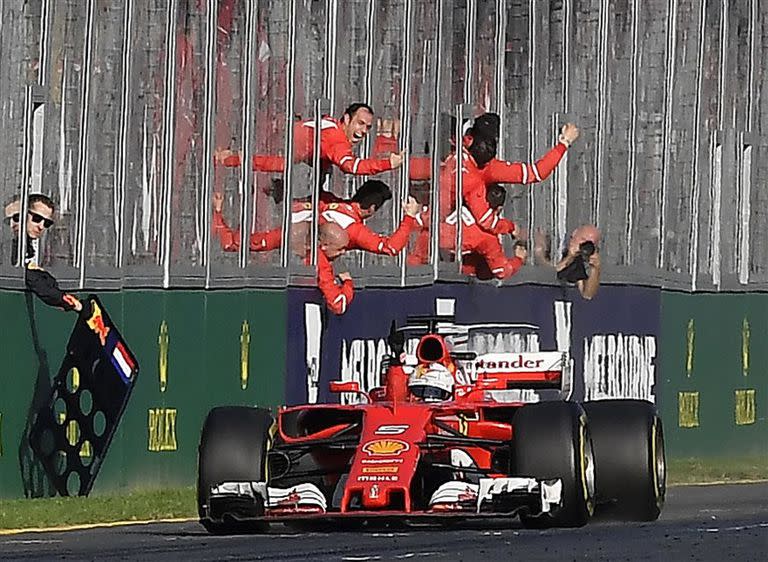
point(611, 340)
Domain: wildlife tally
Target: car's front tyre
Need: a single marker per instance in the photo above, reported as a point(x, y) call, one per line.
point(233, 448)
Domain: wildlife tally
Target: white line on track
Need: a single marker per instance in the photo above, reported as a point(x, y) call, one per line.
point(31, 541)
point(736, 528)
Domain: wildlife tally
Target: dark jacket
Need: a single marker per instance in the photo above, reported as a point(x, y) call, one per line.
point(39, 281)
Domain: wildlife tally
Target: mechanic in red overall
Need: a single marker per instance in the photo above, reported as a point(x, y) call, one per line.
point(337, 138)
point(338, 290)
point(263, 241)
point(482, 252)
point(367, 200)
point(349, 215)
point(481, 168)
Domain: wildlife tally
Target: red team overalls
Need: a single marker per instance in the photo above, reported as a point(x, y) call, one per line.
point(335, 149)
point(482, 224)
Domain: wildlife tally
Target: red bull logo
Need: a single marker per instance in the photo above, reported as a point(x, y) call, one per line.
point(96, 323)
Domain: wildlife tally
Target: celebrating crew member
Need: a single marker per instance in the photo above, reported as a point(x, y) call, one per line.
point(349, 215)
point(480, 168)
point(337, 138)
point(265, 241)
point(367, 200)
point(338, 290)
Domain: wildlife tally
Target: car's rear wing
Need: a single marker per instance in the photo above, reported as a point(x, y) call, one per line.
point(506, 371)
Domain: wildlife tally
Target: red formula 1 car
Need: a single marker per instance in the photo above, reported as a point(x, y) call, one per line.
point(451, 434)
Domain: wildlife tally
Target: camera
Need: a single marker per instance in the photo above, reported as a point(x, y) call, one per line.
point(586, 249)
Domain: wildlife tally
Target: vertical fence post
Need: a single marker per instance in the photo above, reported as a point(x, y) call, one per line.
point(322, 107)
point(437, 134)
point(290, 105)
point(246, 167)
point(83, 164)
point(405, 130)
point(169, 141)
point(209, 124)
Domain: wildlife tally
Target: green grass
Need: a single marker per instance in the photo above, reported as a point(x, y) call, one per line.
point(180, 502)
point(135, 506)
point(695, 470)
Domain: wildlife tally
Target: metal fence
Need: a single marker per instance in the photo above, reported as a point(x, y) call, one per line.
point(116, 109)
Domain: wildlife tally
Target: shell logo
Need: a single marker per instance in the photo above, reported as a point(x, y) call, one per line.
point(386, 447)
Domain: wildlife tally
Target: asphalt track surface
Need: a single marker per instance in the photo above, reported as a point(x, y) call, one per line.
point(719, 522)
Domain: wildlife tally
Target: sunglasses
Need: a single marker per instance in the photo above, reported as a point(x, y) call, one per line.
point(37, 219)
point(13, 218)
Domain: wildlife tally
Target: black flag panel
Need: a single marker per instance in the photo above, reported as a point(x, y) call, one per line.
point(71, 433)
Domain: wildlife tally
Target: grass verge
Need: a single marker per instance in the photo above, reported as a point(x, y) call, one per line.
point(180, 502)
point(135, 506)
point(697, 470)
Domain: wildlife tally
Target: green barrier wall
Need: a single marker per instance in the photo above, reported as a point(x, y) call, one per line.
point(714, 354)
point(196, 349)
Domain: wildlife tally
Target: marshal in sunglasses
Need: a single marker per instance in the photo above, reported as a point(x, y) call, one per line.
point(37, 219)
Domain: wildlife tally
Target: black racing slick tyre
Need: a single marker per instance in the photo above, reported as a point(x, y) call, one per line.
point(233, 448)
point(630, 465)
point(551, 440)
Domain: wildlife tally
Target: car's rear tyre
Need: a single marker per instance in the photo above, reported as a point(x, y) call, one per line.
point(233, 448)
point(551, 440)
point(630, 466)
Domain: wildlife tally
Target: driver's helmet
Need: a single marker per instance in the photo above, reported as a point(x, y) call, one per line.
point(431, 382)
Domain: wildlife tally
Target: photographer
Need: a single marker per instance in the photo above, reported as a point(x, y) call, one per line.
point(580, 264)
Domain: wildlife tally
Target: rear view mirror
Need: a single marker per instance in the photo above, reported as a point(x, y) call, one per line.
point(340, 386)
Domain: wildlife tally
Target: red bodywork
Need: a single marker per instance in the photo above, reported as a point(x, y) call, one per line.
point(392, 434)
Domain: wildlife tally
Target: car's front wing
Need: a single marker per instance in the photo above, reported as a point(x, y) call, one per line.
point(487, 497)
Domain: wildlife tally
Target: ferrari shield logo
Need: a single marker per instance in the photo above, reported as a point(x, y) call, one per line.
point(386, 447)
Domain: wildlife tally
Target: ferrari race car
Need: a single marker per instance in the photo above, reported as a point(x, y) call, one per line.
point(452, 433)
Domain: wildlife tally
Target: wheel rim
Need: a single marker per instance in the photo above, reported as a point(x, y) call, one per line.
point(659, 468)
point(587, 465)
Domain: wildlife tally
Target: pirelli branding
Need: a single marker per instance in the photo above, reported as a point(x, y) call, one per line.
point(380, 469)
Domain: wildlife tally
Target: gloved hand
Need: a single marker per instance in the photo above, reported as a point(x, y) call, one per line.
point(396, 341)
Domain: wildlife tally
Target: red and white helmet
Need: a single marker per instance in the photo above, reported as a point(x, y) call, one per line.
point(431, 382)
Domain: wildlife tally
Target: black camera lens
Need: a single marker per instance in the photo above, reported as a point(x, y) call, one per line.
point(587, 248)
